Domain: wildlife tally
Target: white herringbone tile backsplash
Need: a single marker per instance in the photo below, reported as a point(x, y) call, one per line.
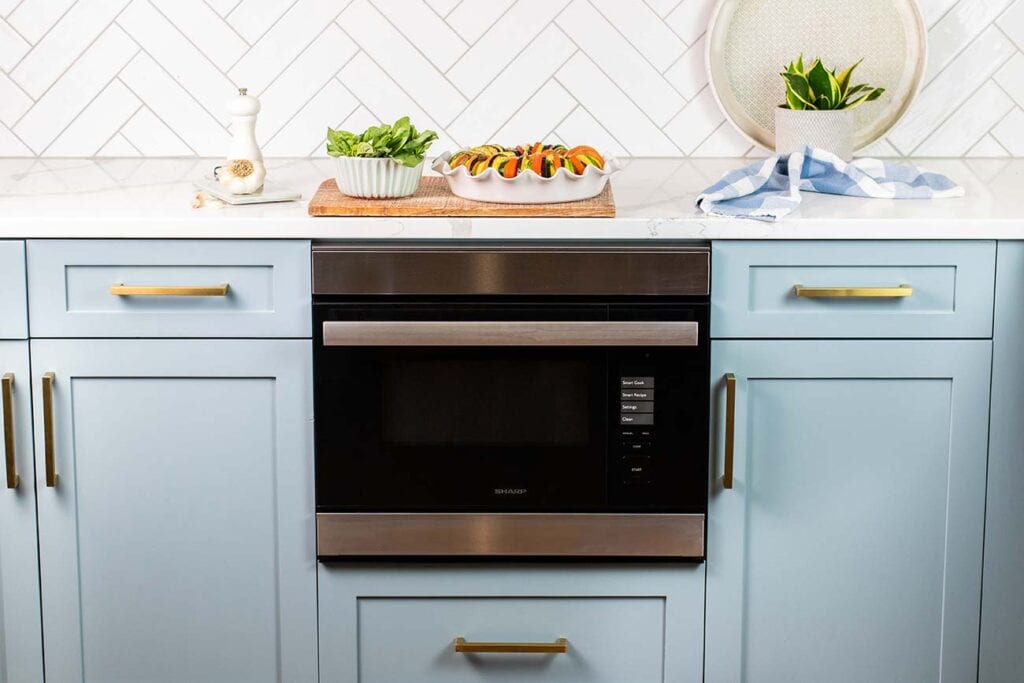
point(150, 77)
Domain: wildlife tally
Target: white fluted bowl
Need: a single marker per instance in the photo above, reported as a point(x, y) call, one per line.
point(376, 178)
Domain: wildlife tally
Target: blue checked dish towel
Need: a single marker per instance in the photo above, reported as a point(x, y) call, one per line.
point(770, 189)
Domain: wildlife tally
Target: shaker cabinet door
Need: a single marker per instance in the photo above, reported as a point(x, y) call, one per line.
point(176, 510)
point(849, 547)
point(21, 644)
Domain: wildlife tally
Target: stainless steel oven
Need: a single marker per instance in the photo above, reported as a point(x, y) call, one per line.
point(516, 401)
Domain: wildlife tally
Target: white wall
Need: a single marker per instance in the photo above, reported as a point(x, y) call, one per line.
point(149, 77)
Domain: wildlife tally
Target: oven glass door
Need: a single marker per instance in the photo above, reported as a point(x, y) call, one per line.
point(438, 427)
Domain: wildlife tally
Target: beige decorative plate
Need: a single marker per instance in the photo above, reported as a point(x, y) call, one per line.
point(750, 41)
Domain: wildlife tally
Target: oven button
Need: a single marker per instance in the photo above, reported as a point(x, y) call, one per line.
point(637, 406)
point(636, 469)
point(637, 394)
point(630, 447)
point(636, 382)
point(636, 419)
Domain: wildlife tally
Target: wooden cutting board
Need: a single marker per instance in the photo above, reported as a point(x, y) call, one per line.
point(433, 198)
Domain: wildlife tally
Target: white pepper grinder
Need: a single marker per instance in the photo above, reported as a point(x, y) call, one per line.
point(244, 171)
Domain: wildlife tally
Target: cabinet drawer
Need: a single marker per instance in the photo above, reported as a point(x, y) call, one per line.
point(173, 288)
point(392, 624)
point(852, 289)
point(13, 315)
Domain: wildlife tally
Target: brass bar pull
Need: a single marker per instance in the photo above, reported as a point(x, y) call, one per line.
point(141, 290)
point(900, 292)
point(7, 389)
point(560, 646)
point(51, 463)
point(730, 428)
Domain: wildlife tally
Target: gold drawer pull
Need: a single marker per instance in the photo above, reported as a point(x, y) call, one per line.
point(133, 290)
point(560, 646)
point(900, 292)
point(51, 462)
point(8, 409)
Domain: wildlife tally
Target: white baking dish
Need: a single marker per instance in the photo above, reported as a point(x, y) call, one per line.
point(527, 187)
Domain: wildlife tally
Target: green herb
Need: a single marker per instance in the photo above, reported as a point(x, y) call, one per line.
point(400, 141)
point(818, 88)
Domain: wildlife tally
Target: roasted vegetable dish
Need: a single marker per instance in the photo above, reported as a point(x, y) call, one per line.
point(544, 160)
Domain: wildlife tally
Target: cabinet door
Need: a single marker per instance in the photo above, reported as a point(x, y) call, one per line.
point(178, 542)
point(21, 645)
point(849, 548)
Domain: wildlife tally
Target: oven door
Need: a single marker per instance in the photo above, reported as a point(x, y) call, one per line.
point(472, 407)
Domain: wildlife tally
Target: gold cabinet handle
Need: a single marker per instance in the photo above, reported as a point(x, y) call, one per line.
point(560, 646)
point(900, 292)
point(7, 390)
point(142, 290)
point(51, 463)
point(730, 429)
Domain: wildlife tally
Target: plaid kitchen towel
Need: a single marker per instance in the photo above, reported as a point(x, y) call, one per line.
point(770, 189)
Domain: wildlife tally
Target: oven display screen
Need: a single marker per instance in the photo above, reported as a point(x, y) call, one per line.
point(494, 402)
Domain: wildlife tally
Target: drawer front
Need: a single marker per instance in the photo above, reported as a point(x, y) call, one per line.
point(899, 289)
point(386, 625)
point(13, 312)
point(169, 288)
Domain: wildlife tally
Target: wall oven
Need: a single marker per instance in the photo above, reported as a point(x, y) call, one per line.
point(516, 401)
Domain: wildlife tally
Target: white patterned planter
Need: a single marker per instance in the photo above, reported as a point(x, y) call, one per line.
point(829, 130)
point(376, 178)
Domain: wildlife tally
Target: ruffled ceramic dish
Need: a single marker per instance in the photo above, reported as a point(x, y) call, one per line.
point(526, 187)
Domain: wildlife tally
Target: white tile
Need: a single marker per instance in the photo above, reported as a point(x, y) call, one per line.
point(284, 42)
point(424, 29)
point(118, 146)
point(968, 124)
point(933, 10)
point(314, 68)
point(617, 113)
point(580, 128)
point(988, 148)
point(957, 29)
point(10, 145)
point(152, 137)
point(386, 101)
point(689, 75)
point(486, 114)
point(65, 42)
point(947, 92)
point(1011, 77)
point(644, 30)
point(252, 18)
point(620, 61)
point(223, 7)
point(6, 6)
point(204, 27)
point(12, 46)
point(1012, 22)
point(521, 24)
point(663, 7)
point(879, 149)
point(1010, 132)
point(175, 107)
point(472, 18)
point(696, 122)
point(725, 141)
point(541, 114)
point(443, 7)
point(402, 62)
point(178, 57)
point(97, 123)
point(33, 18)
point(690, 19)
point(13, 101)
point(308, 127)
point(70, 95)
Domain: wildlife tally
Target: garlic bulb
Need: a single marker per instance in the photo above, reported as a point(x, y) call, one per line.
point(242, 176)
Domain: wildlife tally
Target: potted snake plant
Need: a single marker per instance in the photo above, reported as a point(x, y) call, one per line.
point(819, 108)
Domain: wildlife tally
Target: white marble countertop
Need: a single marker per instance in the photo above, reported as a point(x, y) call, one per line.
point(150, 198)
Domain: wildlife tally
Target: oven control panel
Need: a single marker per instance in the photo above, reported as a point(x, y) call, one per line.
point(636, 429)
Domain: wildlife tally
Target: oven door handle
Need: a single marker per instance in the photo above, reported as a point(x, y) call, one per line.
point(509, 333)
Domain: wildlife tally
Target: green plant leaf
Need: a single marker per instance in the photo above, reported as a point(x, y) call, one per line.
point(844, 78)
point(870, 96)
point(799, 89)
point(823, 85)
point(399, 141)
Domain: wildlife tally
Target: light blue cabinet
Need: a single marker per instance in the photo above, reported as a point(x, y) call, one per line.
point(178, 542)
point(13, 315)
point(398, 624)
point(21, 652)
point(850, 546)
point(1002, 616)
